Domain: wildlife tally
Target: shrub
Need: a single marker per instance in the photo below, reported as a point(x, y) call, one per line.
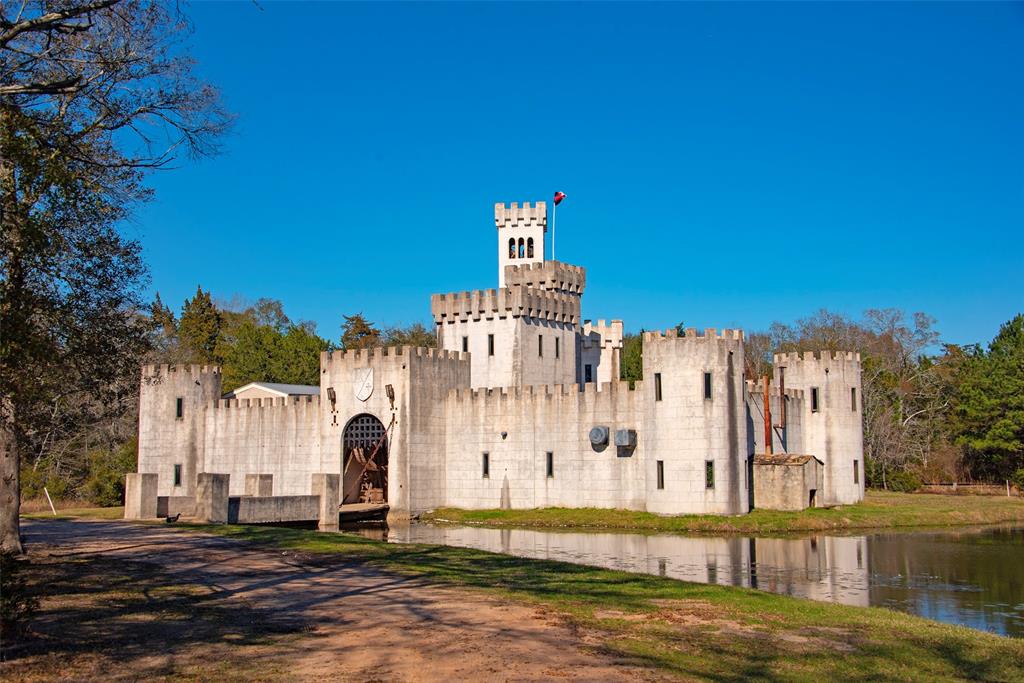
point(17, 604)
point(105, 483)
point(1017, 479)
point(902, 481)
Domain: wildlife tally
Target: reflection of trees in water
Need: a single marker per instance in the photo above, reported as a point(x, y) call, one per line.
point(976, 574)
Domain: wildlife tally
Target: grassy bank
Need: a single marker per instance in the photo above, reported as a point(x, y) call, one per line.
point(693, 631)
point(879, 510)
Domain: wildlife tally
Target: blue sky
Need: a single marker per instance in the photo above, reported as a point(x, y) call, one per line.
point(727, 165)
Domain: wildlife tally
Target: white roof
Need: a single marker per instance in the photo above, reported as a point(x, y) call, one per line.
point(279, 389)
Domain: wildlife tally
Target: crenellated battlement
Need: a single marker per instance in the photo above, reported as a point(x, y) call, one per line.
point(290, 402)
point(590, 396)
point(152, 369)
point(549, 275)
point(515, 302)
point(692, 334)
point(516, 215)
point(601, 335)
point(385, 355)
point(755, 389)
point(816, 357)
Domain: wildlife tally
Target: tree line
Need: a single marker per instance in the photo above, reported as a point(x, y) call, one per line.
point(934, 412)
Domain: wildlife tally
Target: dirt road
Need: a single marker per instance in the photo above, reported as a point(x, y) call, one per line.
point(132, 601)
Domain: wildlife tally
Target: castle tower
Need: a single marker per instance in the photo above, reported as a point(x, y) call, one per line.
point(172, 415)
point(695, 422)
point(832, 417)
point(521, 232)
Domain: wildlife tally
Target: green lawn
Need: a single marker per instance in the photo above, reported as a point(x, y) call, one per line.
point(879, 510)
point(695, 631)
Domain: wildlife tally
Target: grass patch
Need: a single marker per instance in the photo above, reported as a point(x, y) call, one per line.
point(695, 631)
point(880, 510)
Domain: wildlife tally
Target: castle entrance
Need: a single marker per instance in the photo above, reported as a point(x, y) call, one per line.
point(364, 461)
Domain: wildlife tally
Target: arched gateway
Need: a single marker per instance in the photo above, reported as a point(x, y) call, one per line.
point(364, 461)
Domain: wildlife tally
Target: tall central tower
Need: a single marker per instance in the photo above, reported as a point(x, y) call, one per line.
point(520, 235)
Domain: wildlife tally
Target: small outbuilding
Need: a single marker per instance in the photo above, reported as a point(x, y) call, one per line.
point(787, 482)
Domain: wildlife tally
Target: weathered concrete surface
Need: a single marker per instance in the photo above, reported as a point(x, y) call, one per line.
point(259, 484)
point(212, 497)
point(327, 489)
point(169, 506)
point(786, 482)
point(140, 500)
point(323, 620)
point(269, 509)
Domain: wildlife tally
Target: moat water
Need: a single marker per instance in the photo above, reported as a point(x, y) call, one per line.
point(972, 577)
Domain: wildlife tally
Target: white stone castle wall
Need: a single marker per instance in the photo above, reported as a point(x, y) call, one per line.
point(537, 420)
point(280, 437)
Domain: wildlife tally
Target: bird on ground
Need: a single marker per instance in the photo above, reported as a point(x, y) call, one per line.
point(172, 520)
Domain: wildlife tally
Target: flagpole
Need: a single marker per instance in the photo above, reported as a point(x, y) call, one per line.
point(554, 212)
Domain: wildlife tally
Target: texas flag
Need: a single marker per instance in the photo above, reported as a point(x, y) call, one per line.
point(559, 196)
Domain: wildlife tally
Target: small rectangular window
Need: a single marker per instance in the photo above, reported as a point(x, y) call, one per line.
point(588, 373)
point(707, 386)
point(856, 471)
point(486, 461)
point(177, 475)
point(814, 399)
point(490, 345)
point(179, 407)
point(558, 350)
point(661, 474)
point(550, 464)
point(657, 387)
point(853, 399)
point(709, 474)
point(540, 346)
point(465, 344)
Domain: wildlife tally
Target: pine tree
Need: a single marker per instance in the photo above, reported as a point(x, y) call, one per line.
point(358, 333)
point(200, 327)
point(162, 317)
point(990, 403)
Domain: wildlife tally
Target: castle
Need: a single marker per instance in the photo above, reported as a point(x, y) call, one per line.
point(521, 406)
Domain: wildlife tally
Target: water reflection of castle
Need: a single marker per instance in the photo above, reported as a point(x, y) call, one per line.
point(827, 568)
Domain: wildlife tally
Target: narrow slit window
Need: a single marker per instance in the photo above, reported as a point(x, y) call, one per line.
point(490, 345)
point(657, 386)
point(707, 386)
point(529, 248)
point(511, 247)
point(550, 458)
point(856, 471)
point(588, 373)
point(522, 248)
point(179, 408)
point(853, 399)
point(540, 346)
point(465, 344)
point(709, 474)
point(486, 465)
point(661, 474)
point(177, 475)
point(814, 399)
point(558, 350)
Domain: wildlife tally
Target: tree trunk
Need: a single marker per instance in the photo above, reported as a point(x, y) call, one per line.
point(10, 486)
